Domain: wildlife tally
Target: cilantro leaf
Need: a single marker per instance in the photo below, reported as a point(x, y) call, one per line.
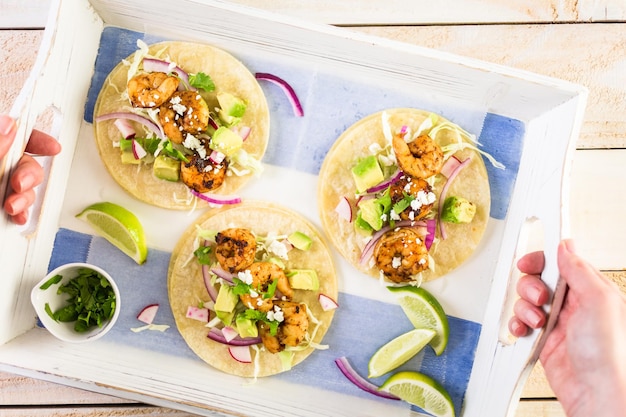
point(203, 255)
point(202, 81)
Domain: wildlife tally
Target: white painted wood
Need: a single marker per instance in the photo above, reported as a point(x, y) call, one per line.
point(32, 13)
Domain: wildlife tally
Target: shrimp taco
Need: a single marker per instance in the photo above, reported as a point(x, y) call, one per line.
point(404, 195)
point(252, 289)
point(179, 124)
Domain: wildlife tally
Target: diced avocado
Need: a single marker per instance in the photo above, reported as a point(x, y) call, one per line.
point(231, 108)
point(276, 261)
point(300, 240)
point(129, 158)
point(166, 168)
point(458, 210)
point(226, 141)
point(225, 317)
point(362, 226)
point(367, 173)
point(304, 279)
point(226, 299)
point(246, 327)
point(371, 212)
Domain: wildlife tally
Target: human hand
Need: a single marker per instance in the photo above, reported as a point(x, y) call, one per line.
point(584, 356)
point(28, 173)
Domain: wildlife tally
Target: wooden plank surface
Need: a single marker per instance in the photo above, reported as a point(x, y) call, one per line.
point(590, 54)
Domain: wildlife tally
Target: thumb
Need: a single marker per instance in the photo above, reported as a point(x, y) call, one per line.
point(581, 277)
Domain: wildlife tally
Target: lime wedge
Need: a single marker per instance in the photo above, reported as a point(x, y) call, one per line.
point(398, 351)
point(422, 391)
point(425, 312)
point(119, 226)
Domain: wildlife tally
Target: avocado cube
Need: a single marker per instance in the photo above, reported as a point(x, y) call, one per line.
point(231, 108)
point(166, 168)
point(300, 241)
point(371, 212)
point(226, 299)
point(304, 279)
point(246, 327)
point(458, 210)
point(226, 141)
point(367, 173)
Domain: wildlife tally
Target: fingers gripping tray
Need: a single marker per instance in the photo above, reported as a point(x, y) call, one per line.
point(527, 122)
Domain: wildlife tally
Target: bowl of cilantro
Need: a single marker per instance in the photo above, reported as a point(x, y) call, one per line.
point(77, 302)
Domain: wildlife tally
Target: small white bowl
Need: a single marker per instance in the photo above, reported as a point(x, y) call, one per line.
point(65, 331)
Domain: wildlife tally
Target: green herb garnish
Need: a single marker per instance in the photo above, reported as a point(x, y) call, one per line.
point(203, 255)
point(201, 80)
point(91, 301)
point(54, 280)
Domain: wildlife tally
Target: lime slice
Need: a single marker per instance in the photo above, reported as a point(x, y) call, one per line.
point(398, 351)
point(119, 226)
point(422, 391)
point(425, 312)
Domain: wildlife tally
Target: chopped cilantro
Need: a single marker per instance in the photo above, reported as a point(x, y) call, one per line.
point(203, 255)
point(54, 280)
point(202, 81)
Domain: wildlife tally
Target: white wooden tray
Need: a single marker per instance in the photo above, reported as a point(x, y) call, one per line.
point(530, 119)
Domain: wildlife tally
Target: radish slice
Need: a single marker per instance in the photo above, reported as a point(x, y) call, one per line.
point(359, 381)
point(229, 333)
point(449, 166)
point(326, 302)
point(240, 353)
point(134, 117)
point(291, 94)
point(125, 128)
point(444, 191)
point(216, 199)
point(138, 150)
point(217, 157)
point(200, 314)
point(217, 335)
point(147, 314)
point(344, 209)
point(244, 132)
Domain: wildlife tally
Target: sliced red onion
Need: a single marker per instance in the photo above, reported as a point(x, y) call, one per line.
point(431, 227)
point(444, 191)
point(449, 166)
point(224, 274)
point(138, 150)
point(206, 275)
point(346, 368)
point(216, 199)
point(240, 353)
point(125, 128)
point(134, 117)
point(344, 209)
point(147, 314)
point(368, 249)
point(291, 94)
point(395, 177)
point(213, 123)
point(196, 313)
point(327, 302)
point(216, 335)
point(157, 65)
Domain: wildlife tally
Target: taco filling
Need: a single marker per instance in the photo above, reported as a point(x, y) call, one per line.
point(404, 195)
point(246, 299)
point(178, 121)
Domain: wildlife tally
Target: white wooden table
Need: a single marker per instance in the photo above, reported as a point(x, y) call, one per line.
point(581, 41)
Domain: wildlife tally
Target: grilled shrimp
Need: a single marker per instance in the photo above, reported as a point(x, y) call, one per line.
point(148, 90)
point(184, 112)
point(400, 254)
point(203, 175)
point(291, 331)
point(421, 158)
point(417, 188)
point(235, 249)
point(264, 274)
